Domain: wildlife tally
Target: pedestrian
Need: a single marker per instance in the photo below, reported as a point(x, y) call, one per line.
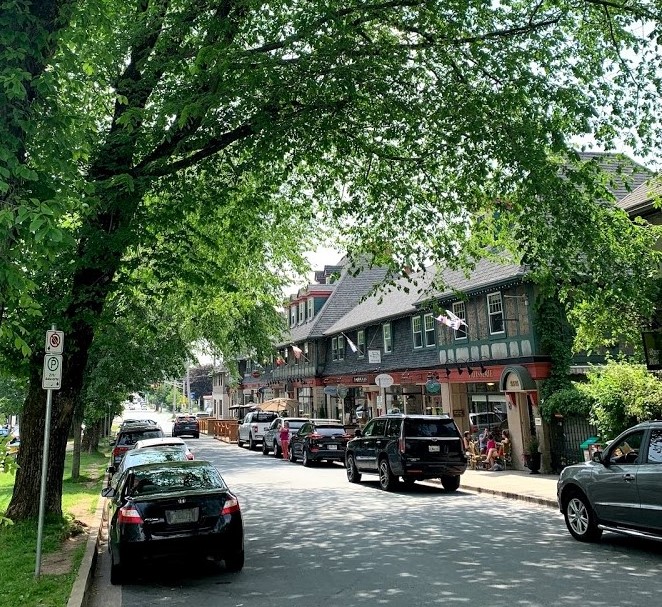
point(482, 441)
point(492, 452)
point(285, 438)
point(466, 440)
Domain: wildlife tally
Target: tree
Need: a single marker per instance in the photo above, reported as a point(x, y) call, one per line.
point(405, 123)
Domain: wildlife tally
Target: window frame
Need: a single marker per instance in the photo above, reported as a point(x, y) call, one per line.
point(334, 348)
point(310, 306)
point(360, 343)
point(302, 312)
point(491, 315)
point(427, 331)
point(417, 332)
point(460, 310)
point(387, 341)
point(293, 315)
point(341, 347)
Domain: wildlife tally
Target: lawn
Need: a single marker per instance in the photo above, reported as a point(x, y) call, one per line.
point(19, 541)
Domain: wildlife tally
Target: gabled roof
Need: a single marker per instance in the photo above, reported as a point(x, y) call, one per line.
point(627, 174)
point(392, 302)
point(348, 292)
point(487, 274)
point(642, 199)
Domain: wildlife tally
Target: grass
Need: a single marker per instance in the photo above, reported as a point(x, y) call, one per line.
point(19, 541)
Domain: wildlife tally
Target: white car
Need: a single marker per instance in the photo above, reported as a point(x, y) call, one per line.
point(166, 441)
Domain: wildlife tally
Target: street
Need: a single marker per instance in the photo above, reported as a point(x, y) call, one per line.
point(312, 538)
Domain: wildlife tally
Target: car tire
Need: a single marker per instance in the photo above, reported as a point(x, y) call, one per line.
point(235, 563)
point(240, 443)
point(290, 455)
point(116, 571)
point(580, 518)
point(251, 442)
point(387, 480)
point(265, 449)
point(353, 474)
point(450, 483)
point(305, 460)
point(196, 435)
point(277, 450)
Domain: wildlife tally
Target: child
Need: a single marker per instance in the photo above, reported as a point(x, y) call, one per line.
point(285, 438)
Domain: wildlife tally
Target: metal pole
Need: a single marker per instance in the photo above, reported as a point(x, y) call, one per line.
point(44, 473)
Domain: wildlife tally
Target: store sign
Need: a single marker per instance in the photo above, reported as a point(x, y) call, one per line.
point(375, 356)
point(360, 379)
point(384, 380)
point(458, 412)
point(331, 390)
point(513, 383)
point(433, 386)
point(342, 391)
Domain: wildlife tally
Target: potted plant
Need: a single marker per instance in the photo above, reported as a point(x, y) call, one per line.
point(533, 455)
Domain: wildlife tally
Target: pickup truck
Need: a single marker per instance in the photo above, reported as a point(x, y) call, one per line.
point(253, 427)
point(271, 439)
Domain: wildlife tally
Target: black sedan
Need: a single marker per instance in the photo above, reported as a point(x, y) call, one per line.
point(172, 509)
point(318, 441)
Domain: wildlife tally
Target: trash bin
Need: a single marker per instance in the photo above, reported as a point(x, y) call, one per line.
point(587, 447)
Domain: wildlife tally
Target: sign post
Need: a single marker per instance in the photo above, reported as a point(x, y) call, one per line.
point(51, 380)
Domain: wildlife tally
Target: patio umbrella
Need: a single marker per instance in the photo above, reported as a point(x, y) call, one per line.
point(281, 404)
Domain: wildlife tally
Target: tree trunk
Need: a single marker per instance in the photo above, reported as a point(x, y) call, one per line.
point(92, 436)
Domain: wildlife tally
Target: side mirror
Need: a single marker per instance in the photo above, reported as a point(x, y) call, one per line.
point(357, 433)
point(108, 492)
point(597, 457)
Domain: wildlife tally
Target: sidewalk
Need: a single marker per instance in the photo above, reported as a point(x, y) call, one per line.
point(513, 484)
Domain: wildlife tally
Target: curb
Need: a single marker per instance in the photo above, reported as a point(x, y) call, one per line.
point(78, 596)
point(541, 501)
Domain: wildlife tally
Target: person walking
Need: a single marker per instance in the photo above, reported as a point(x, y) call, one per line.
point(285, 438)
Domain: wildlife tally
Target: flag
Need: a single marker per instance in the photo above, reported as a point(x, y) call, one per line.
point(456, 319)
point(297, 352)
point(351, 344)
point(453, 323)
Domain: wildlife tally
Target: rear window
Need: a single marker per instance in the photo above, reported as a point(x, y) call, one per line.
point(436, 428)
point(264, 416)
point(131, 438)
point(329, 430)
point(295, 425)
point(174, 478)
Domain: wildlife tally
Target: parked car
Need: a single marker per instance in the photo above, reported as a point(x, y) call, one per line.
point(165, 443)
point(186, 425)
point(151, 455)
point(490, 420)
point(253, 427)
point(139, 422)
point(619, 490)
point(271, 438)
point(129, 435)
point(318, 440)
point(176, 509)
point(413, 447)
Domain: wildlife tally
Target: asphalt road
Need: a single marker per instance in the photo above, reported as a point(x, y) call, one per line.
point(312, 539)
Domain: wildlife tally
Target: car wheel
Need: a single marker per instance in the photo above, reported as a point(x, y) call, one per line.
point(291, 455)
point(196, 435)
point(387, 480)
point(265, 448)
point(277, 450)
point(580, 519)
point(116, 570)
point(353, 474)
point(450, 483)
point(235, 563)
point(408, 481)
point(240, 443)
point(307, 462)
point(251, 443)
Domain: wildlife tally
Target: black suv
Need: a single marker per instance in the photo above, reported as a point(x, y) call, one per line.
point(414, 447)
point(186, 425)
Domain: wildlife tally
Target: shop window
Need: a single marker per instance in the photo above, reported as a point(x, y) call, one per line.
point(460, 310)
point(430, 331)
point(417, 332)
point(495, 311)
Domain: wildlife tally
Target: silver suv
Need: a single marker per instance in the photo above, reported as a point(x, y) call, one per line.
point(619, 490)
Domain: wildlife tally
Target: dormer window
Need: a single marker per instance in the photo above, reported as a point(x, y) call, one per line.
point(311, 308)
point(293, 315)
point(302, 312)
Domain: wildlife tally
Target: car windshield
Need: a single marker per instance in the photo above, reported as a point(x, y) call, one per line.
point(174, 478)
point(154, 455)
point(438, 428)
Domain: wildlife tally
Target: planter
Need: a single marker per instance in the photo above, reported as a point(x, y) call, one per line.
point(533, 462)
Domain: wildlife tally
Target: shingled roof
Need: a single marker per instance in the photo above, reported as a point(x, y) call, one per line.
point(627, 174)
point(642, 199)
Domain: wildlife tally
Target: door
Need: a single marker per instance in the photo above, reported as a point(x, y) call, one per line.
point(299, 438)
point(614, 492)
point(364, 448)
point(649, 482)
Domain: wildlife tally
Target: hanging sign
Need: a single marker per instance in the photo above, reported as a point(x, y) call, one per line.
point(384, 380)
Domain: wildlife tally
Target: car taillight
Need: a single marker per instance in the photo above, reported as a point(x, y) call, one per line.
point(401, 445)
point(231, 505)
point(117, 451)
point(129, 515)
point(314, 436)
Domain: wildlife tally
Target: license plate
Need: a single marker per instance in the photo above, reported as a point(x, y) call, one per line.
point(331, 447)
point(177, 517)
point(433, 448)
